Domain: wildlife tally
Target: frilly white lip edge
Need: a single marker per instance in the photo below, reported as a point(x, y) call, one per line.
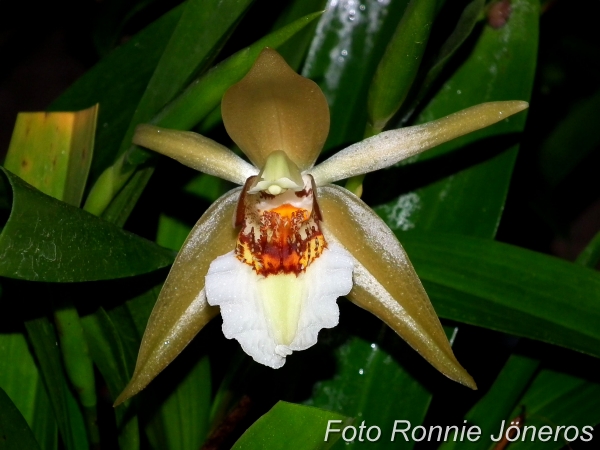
point(275, 315)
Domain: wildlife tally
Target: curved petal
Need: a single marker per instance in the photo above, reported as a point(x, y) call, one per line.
point(274, 108)
point(389, 147)
point(385, 282)
point(181, 309)
point(195, 151)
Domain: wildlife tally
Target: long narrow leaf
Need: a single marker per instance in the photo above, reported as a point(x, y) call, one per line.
point(509, 289)
point(68, 416)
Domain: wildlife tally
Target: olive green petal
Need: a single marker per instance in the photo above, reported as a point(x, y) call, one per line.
point(274, 108)
point(195, 151)
point(181, 309)
point(390, 147)
point(385, 282)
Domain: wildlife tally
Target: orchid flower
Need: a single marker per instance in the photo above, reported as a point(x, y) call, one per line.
point(274, 255)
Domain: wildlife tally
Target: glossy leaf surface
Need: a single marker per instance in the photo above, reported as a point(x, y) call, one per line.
point(398, 67)
point(371, 376)
point(500, 67)
point(47, 240)
point(305, 426)
point(509, 289)
point(348, 43)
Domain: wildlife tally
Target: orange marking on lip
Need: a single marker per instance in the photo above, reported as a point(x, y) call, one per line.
point(287, 241)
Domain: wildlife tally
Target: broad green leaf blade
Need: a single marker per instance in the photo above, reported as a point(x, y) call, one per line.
point(349, 42)
point(398, 67)
point(183, 417)
point(557, 399)
point(287, 423)
point(47, 240)
point(509, 289)
point(367, 379)
point(15, 434)
point(499, 402)
point(117, 83)
point(500, 67)
point(66, 411)
point(20, 379)
point(53, 151)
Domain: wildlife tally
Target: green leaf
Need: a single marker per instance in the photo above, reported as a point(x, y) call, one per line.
point(117, 83)
point(53, 151)
point(294, 50)
point(500, 67)
point(558, 399)
point(15, 434)
point(196, 40)
point(43, 424)
point(183, 417)
point(464, 27)
point(366, 378)
point(285, 423)
point(201, 98)
point(66, 411)
point(205, 93)
point(400, 63)
point(499, 402)
point(106, 349)
point(48, 240)
point(509, 289)
point(346, 48)
point(20, 379)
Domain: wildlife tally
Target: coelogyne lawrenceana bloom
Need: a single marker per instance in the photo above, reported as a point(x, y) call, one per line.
point(274, 255)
